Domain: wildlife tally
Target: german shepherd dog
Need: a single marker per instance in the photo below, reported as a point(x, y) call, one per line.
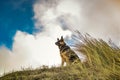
point(66, 53)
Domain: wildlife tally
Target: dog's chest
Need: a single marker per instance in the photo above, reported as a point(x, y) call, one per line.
point(65, 54)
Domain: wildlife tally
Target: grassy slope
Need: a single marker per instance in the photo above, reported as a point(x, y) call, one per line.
point(103, 63)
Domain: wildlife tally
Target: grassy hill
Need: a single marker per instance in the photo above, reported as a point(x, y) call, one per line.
point(102, 63)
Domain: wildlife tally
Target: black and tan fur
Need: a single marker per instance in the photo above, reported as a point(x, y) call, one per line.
point(66, 53)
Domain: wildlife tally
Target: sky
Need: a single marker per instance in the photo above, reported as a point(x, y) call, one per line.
point(29, 28)
point(15, 15)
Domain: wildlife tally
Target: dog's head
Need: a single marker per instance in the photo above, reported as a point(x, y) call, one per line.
point(60, 42)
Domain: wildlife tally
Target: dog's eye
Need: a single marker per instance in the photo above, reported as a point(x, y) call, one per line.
point(61, 40)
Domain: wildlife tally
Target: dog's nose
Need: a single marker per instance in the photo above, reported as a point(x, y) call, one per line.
point(56, 43)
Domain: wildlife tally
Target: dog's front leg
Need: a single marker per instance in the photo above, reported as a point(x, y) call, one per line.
point(62, 64)
point(62, 60)
point(67, 61)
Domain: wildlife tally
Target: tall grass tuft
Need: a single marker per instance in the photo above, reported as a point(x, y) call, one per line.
point(102, 58)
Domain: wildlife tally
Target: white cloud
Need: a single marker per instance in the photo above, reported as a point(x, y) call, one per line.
point(29, 50)
point(38, 50)
point(99, 18)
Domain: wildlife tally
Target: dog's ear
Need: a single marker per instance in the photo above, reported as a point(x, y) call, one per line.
point(57, 39)
point(61, 37)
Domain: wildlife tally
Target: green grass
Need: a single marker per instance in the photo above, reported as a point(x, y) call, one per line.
point(102, 63)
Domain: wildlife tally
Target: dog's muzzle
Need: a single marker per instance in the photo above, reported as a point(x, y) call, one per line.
point(56, 43)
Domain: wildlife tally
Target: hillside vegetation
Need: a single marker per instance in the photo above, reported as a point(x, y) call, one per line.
point(102, 63)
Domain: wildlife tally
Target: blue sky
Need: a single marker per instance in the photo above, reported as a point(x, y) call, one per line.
point(15, 15)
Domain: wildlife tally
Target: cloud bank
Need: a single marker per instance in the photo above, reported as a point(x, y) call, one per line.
point(99, 18)
point(33, 50)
